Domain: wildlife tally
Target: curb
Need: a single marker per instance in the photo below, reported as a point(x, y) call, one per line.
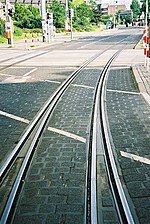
point(142, 83)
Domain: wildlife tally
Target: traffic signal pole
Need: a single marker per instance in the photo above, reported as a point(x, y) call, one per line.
point(9, 22)
point(67, 17)
point(44, 25)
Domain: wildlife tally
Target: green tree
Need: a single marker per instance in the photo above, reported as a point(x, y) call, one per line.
point(143, 8)
point(135, 6)
point(58, 10)
point(2, 27)
point(27, 16)
point(83, 17)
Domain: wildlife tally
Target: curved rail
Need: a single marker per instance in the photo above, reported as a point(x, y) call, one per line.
point(39, 123)
point(99, 117)
point(124, 213)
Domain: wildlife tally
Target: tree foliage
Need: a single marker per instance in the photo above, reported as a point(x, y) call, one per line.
point(143, 8)
point(27, 16)
point(135, 6)
point(58, 11)
point(85, 15)
point(2, 27)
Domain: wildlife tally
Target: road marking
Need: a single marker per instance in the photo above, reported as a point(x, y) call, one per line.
point(83, 86)
point(14, 117)
point(85, 45)
point(5, 74)
point(28, 73)
point(121, 91)
point(46, 80)
point(22, 67)
point(68, 134)
point(135, 157)
point(147, 97)
point(65, 133)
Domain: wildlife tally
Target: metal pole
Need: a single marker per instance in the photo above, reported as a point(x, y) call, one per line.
point(11, 31)
point(43, 12)
point(71, 23)
point(67, 16)
point(146, 28)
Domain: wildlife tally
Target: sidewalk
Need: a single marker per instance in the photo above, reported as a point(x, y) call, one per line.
point(59, 38)
point(143, 80)
point(142, 75)
point(35, 43)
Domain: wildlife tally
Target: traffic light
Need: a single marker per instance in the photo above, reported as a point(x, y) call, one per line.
point(4, 10)
point(49, 15)
point(10, 12)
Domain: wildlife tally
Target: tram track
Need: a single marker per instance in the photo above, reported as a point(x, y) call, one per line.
point(39, 124)
point(26, 143)
point(99, 121)
point(47, 49)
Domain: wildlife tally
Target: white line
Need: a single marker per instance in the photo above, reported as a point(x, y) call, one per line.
point(120, 91)
point(46, 80)
point(68, 134)
point(5, 74)
point(83, 86)
point(22, 67)
point(135, 157)
point(147, 97)
point(14, 117)
point(28, 73)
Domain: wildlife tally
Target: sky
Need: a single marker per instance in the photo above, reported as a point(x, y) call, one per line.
point(125, 2)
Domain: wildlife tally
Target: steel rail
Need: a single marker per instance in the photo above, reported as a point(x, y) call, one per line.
point(91, 198)
point(22, 60)
point(123, 209)
point(11, 159)
point(45, 47)
point(47, 110)
point(94, 216)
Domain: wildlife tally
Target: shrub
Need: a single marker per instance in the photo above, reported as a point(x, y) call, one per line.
point(2, 27)
point(17, 31)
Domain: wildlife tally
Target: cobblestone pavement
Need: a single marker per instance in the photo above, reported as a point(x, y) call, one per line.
point(54, 189)
point(15, 98)
point(129, 120)
point(57, 177)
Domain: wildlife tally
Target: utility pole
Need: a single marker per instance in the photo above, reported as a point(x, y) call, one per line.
point(44, 27)
point(9, 22)
point(115, 14)
point(50, 26)
point(67, 17)
point(71, 16)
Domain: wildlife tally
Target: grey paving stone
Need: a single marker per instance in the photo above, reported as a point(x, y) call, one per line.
point(129, 122)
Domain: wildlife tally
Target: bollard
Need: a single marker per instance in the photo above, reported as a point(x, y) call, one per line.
point(38, 37)
point(32, 38)
point(25, 41)
point(145, 46)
